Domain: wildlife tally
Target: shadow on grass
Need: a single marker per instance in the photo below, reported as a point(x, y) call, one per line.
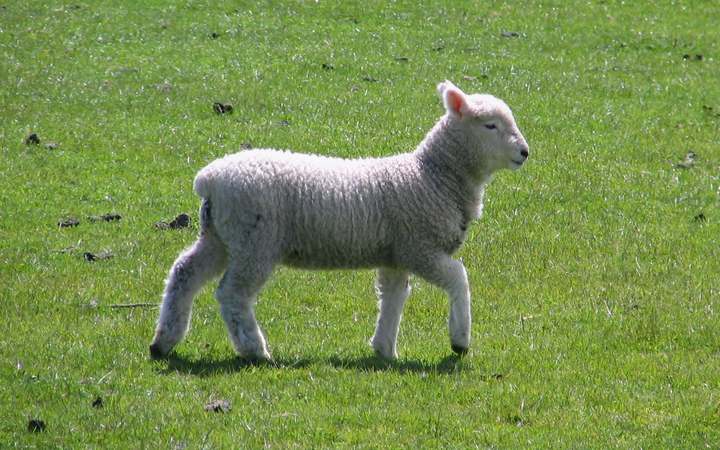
point(447, 365)
point(206, 367)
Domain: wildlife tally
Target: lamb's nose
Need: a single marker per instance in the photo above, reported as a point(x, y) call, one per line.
point(524, 152)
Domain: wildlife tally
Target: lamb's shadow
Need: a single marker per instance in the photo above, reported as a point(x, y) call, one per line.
point(447, 365)
point(206, 367)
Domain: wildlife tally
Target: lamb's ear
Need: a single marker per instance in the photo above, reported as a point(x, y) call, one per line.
point(454, 99)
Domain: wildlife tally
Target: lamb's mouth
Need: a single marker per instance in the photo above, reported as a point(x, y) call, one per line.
point(519, 163)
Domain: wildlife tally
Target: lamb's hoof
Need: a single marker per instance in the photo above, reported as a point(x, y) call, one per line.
point(255, 361)
point(386, 356)
point(391, 355)
point(462, 351)
point(256, 358)
point(156, 353)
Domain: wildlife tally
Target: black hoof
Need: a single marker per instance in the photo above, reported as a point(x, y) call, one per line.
point(462, 351)
point(254, 361)
point(155, 352)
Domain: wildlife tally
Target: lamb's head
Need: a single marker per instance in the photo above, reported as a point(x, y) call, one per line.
point(487, 126)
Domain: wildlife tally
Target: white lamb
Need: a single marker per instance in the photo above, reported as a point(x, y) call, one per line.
point(401, 214)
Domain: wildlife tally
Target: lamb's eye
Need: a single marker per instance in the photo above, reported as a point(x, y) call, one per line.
point(491, 126)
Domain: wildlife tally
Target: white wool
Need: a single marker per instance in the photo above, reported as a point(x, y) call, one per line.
point(401, 214)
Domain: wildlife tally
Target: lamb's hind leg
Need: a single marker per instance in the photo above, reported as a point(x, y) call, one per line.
point(393, 289)
point(236, 295)
point(195, 267)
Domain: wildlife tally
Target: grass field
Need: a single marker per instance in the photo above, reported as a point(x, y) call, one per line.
point(595, 271)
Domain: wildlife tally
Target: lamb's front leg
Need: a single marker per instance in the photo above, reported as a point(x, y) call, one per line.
point(393, 290)
point(450, 275)
point(459, 321)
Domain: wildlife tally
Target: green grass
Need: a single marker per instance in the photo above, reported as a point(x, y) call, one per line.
point(594, 271)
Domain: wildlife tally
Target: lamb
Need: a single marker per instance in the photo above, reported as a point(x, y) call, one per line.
point(404, 214)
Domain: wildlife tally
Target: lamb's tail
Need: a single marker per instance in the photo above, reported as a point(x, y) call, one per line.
point(202, 185)
point(206, 221)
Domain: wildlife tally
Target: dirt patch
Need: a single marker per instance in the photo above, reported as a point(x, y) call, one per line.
point(33, 139)
point(218, 406)
point(69, 223)
point(222, 108)
point(36, 426)
point(97, 257)
point(181, 221)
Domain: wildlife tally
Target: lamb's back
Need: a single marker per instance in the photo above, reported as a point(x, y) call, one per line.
point(326, 212)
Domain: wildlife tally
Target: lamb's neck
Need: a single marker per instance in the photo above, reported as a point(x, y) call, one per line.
point(444, 149)
point(442, 157)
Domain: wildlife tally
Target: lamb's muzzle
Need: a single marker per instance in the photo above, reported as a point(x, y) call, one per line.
point(524, 153)
point(404, 214)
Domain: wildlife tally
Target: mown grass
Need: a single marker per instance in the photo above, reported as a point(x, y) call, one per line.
point(594, 270)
